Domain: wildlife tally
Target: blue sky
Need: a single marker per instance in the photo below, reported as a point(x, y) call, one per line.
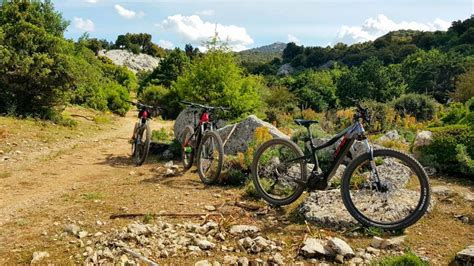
point(251, 23)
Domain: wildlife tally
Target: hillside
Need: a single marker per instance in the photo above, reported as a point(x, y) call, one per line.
point(134, 62)
point(264, 53)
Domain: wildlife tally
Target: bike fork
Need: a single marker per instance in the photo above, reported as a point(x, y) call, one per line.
point(374, 173)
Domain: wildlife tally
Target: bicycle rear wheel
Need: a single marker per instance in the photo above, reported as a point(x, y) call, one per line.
point(398, 200)
point(278, 171)
point(141, 144)
point(210, 158)
point(188, 144)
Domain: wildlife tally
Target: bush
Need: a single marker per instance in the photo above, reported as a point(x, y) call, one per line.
point(445, 154)
point(456, 112)
point(422, 107)
point(407, 259)
point(117, 98)
point(383, 115)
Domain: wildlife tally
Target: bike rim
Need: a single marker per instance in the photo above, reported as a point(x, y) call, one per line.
point(277, 171)
point(209, 158)
point(394, 199)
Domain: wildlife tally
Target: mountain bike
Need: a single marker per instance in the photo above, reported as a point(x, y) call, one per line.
point(141, 137)
point(384, 188)
point(202, 138)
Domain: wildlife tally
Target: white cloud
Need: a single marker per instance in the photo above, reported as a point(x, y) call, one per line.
point(128, 14)
point(207, 12)
point(193, 29)
point(292, 38)
point(91, 1)
point(84, 24)
point(380, 25)
point(165, 44)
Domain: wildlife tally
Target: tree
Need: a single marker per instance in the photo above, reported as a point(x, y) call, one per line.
point(216, 79)
point(291, 51)
point(172, 66)
point(464, 86)
point(191, 51)
point(372, 81)
point(432, 73)
point(33, 71)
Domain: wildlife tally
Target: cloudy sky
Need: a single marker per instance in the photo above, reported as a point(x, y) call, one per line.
point(252, 23)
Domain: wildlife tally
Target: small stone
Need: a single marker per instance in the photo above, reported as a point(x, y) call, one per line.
point(217, 195)
point(72, 229)
point(357, 260)
point(341, 247)
point(138, 229)
point(230, 260)
point(98, 234)
point(132, 173)
point(373, 250)
point(82, 234)
point(210, 208)
point(378, 242)
point(278, 259)
point(194, 248)
point(466, 256)
point(243, 229)
point(170, 172)
point(206, 245)
point(395, 242)
point(243, 261)
point(339, 258)
point(443, 191)
point(314, 247)
point(38, 256)
point(203, 263)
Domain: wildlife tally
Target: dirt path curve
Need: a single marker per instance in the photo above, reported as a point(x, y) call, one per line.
point(36, 180)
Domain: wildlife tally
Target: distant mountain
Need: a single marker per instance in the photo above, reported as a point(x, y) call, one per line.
point(264, 53)
point(277, 47)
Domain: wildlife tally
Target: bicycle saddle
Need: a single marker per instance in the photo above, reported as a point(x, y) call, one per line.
point(305, 123)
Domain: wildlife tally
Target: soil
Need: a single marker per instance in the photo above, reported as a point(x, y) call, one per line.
point(84, 178)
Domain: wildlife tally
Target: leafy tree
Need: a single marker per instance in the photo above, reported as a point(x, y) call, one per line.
point(291, 51)
point(33, 74)
point(464, 86)
point(191, 51)
point(372, 81)
point(172, 66)
point(432, 73)
point(216, 79)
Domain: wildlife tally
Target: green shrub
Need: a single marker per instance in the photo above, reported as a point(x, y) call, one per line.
point(422, 107)
point(407, 259)
point(456, 112)
point(383, 116)
point(465, 160)
point(160, 135)
point(443, 152)
point(117, 98)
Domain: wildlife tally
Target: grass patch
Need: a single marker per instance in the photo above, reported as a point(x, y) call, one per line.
point(407, 259)
point(21, 222)
point(250, 191)
point(148, 218)
point(101, 119)
point(161, 135)
point(92, 196)
point(4, 175)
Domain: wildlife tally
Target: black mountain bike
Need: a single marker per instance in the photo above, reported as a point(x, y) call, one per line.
point(201, 138)
point(141, 138)
point(382, 188)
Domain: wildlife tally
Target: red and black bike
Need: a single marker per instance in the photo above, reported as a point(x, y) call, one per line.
point(201, 141)
point(141, 138)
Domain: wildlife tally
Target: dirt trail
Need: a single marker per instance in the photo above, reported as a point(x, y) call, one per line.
point(42, 177)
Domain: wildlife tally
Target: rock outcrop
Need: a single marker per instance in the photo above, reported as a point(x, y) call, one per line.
point(236, 136)
point(135, 62)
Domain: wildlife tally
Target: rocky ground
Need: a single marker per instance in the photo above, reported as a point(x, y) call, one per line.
point(56, 207)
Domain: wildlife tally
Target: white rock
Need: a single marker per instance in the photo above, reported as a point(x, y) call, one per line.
point(278, 259)
point(205, 245)
point(243, 229)
point(38, 256)
point(72, 229)
point(230, 260)
point(136, 63)
point(243, 261)
point(210, 208)
point(341, 247)
point(443, 191)
point(203, 263)
point(466, 256)
point(82, 234)
point(314, 247)
point(138, 229)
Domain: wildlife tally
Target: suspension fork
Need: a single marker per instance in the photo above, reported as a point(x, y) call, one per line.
point(373, 165)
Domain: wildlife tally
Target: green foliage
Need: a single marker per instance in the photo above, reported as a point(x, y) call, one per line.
point(444, 152)
point(422, 107)
point(456, 112)
point(407, 259)
point(464, 86)
point(216, 79)
point(465, 160)
point(371, 81)
point(160, 135)
point(170, 68)
point(33, 74)
point(139, 42)
point(158, 95)
point(432, 73)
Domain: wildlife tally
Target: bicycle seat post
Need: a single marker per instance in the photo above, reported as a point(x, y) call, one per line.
point(310, 135)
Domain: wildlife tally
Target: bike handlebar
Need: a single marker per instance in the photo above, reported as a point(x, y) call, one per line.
point(141, 105)
point(206, 107)
point(361, 113)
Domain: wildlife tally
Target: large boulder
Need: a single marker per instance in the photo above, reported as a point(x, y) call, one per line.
point(237, 136)
point(135, 62)
point(423, 138)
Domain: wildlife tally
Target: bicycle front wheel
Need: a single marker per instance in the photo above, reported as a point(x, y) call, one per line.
point(210, 158)
point(390, 192)
point(141, 144)
point(279, 171)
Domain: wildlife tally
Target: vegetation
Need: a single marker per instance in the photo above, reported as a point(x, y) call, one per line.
point(407, 259)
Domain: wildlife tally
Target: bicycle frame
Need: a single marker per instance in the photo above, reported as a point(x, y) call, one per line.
point(202, 126)
point(349, 135)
